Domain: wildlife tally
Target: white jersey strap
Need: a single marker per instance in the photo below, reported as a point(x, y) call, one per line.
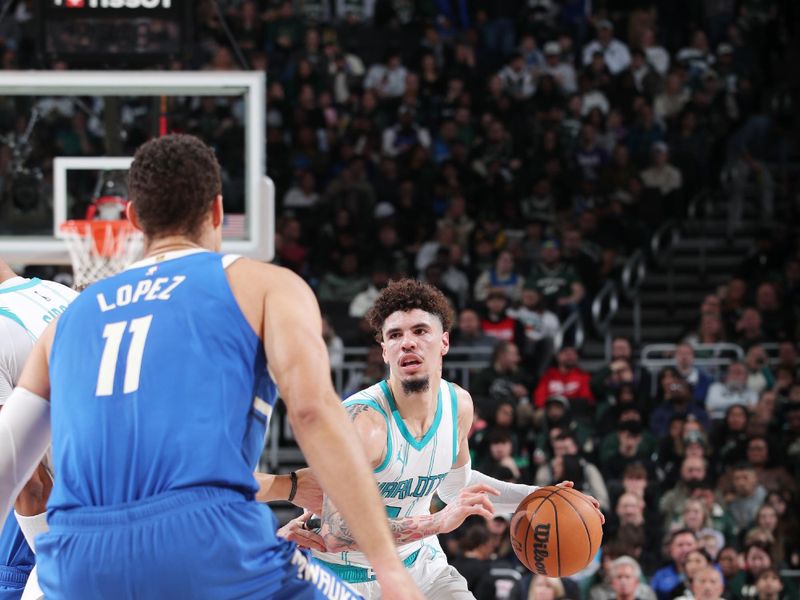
point(229, 259)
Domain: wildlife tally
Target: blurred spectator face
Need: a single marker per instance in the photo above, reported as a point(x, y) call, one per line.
point(500, 450)
point(728, 561)
point(567, 358)
point(621, 348)
point(680, 547)
point(684, 357)
point(496, 303)
point(504, 415)
point(508, 359)
point(766, 298)
point(505, 263)
point(695, 561)
point(624, 581)
point(694, 514)
point(572, 244)
point(737, 289)
point(693, 469)
point(778, 502)
point(554, 411)
point(757, 452)
point(541, 589)
point(621, 372)
point(674, 84)
point(660, 158)
point(710, 327)
point(787, 354)
point(736, 378)
point(530, 298)
point(630, 509)
point(757, 560)
point(769, 585)
point(736, 418)
point(605, 35)
point(564, 447)
point(629, 442)
point(707, 584)
point(767, 518)
point(744, 482)
point(387, 236)
point(468, 323)
point(549, 254)
point(756, 358)
point(635, 485)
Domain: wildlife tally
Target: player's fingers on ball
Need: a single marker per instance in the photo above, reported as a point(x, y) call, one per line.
point(482, 487)
point(566, 484)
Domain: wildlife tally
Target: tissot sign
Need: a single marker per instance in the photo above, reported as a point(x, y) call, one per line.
point(114, 33)
point(113, 3)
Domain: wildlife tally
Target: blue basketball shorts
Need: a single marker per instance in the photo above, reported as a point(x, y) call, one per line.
point(12, 582)
point(201, 543)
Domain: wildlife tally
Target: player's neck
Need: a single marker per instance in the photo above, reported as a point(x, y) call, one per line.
point(170, 243)
point(417, 409)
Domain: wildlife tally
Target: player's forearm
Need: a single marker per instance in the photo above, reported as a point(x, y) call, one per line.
point(272, 487)
point(339, 538)
point(511, 494)
point(330, 445)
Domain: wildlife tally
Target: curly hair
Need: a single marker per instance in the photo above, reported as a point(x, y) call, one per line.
point(172, 183)
point(406, 295)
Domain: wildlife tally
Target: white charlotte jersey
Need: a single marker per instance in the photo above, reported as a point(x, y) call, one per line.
point(412, 469)
point(27, 306)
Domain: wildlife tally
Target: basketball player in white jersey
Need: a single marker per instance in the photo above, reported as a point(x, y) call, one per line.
point(27, 306)
point(414, 430)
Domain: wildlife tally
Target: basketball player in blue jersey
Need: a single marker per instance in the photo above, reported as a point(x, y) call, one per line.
point(27, 306)
point(413, 428)
point(158, 383)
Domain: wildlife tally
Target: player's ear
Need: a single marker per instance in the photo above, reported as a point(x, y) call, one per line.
point(130, 213)
point(445, 342)
point(217, 213)
point(383, 352)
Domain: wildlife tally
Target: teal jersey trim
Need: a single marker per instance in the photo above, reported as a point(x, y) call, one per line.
point(374, 405)
point(13, 317)
point(454, 409)
point(22, 286)
point(416, 444)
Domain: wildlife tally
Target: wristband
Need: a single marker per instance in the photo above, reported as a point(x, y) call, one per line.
point(293, 491)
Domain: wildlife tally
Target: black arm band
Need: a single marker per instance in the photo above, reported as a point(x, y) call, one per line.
point(293, 491)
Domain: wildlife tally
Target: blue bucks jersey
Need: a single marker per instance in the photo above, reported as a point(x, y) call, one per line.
point(158, 383)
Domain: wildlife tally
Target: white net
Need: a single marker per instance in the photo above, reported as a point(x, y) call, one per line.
point(98, 249)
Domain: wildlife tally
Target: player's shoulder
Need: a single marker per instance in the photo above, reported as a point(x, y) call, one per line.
point(267, 277)
point(463, 397)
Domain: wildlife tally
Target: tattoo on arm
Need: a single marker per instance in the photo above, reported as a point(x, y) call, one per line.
point(339, 538)
point(356, 409)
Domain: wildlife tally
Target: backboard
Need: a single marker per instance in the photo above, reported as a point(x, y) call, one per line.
point(248, 231)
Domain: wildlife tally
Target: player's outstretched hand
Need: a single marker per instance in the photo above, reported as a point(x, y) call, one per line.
point(295, 531)
point(472, 500)
point(309, 492)
point(595, 502)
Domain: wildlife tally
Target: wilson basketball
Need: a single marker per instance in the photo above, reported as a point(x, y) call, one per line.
point(556, 531)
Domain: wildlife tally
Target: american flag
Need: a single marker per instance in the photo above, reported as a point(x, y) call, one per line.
point(234, 227)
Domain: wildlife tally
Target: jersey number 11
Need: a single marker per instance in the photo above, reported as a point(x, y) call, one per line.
point(113, 334)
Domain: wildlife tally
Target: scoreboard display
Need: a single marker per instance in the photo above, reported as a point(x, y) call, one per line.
point(114, 33)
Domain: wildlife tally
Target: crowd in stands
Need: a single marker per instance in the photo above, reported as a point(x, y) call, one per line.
point(513, 153)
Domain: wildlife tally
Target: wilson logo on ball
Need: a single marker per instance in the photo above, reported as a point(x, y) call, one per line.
point(541, 539)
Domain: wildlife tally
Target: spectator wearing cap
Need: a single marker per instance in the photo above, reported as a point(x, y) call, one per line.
point(697, 56)
point(502, 276)
point(694, 376)
point(566, 379)
point(561, 71)
point(615, 53)
point(667, 578)
point(732, 391)
point(555, 280)
point(558, 419)
point(678, 402)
